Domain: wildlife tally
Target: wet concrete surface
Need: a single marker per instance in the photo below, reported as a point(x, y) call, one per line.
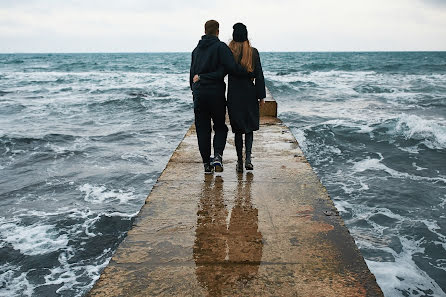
point(273, 231)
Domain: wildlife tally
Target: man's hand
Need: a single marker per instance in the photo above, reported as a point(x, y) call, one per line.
point(261, 102)
point(196, 78)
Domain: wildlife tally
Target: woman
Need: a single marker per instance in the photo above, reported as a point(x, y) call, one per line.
point(244, 93)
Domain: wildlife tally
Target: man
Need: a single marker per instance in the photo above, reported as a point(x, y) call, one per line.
point(211, 56)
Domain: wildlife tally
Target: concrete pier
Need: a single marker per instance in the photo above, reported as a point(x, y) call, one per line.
point(270, 232)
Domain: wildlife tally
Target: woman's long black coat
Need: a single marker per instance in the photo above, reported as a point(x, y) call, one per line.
point(243, 98)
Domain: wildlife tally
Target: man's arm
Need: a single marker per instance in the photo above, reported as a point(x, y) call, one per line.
point(229, 64)
point(212, 76)
point(260, 80)
point(191, 74)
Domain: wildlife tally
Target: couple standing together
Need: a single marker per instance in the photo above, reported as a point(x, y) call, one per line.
point(211, 61)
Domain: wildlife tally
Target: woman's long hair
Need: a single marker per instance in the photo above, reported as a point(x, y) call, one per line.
point(245, 50)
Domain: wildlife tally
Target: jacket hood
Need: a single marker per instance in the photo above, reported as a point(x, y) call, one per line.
point(207, 40)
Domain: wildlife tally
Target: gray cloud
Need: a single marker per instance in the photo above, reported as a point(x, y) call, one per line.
point(176, 25)
point(438, 3)
point(104, 5)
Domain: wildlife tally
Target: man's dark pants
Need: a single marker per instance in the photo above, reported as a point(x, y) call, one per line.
point(209, 104)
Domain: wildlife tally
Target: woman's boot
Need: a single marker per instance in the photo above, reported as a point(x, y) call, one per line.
point(248, 148)
point(239, 149)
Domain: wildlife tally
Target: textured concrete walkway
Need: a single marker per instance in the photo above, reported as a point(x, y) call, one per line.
point(270, 232)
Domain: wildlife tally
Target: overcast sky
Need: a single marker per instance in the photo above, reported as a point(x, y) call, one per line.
point(176, 25)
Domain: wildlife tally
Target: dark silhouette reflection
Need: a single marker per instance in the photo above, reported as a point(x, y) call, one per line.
point(226, 255)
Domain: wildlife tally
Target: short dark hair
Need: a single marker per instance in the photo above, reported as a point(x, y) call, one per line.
point(211, 27)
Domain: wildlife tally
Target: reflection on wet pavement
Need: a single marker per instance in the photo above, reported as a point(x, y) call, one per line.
point(200, 235)
point(226, 253)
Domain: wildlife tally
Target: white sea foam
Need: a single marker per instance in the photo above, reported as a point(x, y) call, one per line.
point(418, 167)
point(149, 181)
point(121, 214)
point(94, 271)
point(443, 202)
point(100, 194)
point(369, 110)
point(13, 283)
point(435, 229)
point(377, 165)
point(42, 239)
point(300, 136)
point(431, 132)
point(68, 274)
point(34, 239)
point(403, 273)
point(78, 144)
point(342, 205)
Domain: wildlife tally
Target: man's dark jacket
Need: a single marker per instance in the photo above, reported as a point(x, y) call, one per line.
point(213, 56)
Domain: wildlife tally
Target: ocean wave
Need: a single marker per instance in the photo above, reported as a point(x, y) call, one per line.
point(70, 276)
point(115, 136)
point(430, 132)
point(74, 66)
point(356, 126)
point(377, 165)
point(149, 93)
point(409, 127)
point(133, 92)
point(38, 69)
point(17, 152)
point(17, 141)
point(66, 89)
point(373, 89)
point(407, 131)
point(403, 274)
point(307, 84)
point(136, 102)
point(392, 256)
point(100, 194)
point(118, 104)
point(3, 93)
point(391, 67)
point(14, 61)
point(58, 239)
point(14, 145)
point(11, 108)
point(319, 66)
point(288, 71)
point(13, 282)
point(434, 67)
point(33, 240)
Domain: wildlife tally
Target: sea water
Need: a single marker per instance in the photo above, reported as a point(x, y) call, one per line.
point(83, 138)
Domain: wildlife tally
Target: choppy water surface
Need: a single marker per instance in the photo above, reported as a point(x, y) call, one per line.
point(373, 126)
point(83, 138)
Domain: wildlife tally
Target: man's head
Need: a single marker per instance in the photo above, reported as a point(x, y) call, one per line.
point(211, 28)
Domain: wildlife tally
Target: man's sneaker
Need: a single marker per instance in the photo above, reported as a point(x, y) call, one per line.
point(208, 168)
point(239, 166)
point(248, 165)
point(218, 163)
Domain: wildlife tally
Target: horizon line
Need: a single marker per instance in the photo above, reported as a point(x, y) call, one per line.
point(181, 52)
